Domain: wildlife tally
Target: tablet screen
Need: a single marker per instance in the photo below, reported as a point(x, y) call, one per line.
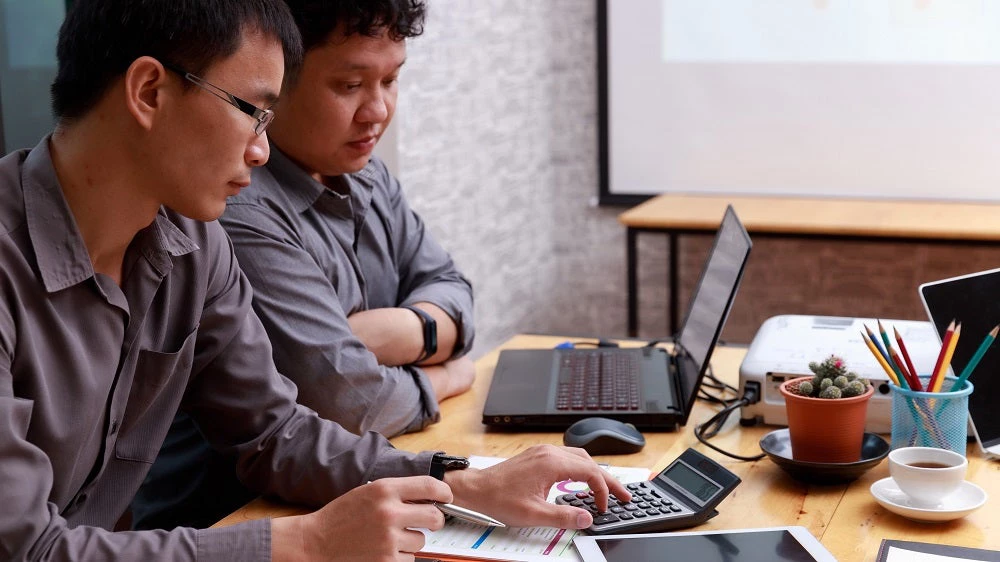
point(764, 546)
point(974, 300)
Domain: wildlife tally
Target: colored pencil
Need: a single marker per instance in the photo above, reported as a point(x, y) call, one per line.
point(967, 371)
point(949, 350)
point(937, 364)
point(878, 345)
point(917, 385)
point(881, 360)
point(903, 371)
point(894, 374)
point(893, 359)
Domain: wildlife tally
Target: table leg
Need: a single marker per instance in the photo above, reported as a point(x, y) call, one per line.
point(674, 280)
point(631, 239)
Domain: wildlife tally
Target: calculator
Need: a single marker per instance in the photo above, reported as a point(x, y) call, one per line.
point(683, 495)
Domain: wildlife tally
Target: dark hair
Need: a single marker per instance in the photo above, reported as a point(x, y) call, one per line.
point(317, 19)
point(100, 39)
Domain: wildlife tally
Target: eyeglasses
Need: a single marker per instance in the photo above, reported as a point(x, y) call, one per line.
point(262, 116)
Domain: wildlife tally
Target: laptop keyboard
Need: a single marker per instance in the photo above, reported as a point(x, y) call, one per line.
point(601, 380)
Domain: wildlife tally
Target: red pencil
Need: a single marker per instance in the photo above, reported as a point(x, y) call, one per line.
point(915, 384)
point(948, 334)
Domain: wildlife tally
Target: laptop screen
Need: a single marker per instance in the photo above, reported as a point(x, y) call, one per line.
point(972, 300)
point(710, 305)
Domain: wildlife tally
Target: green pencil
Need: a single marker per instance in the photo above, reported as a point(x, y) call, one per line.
point(967, 371)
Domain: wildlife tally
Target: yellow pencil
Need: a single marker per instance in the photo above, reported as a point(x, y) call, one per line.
point(946, 362)
point(881, 360)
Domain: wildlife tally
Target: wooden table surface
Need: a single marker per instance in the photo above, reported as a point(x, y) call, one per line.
point(875, 218)
point(845, 518)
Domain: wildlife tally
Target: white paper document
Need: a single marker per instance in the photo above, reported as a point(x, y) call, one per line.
point(897, 554)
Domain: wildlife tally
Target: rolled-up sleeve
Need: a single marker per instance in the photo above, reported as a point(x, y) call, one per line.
point(313, 343)
point(427, 273)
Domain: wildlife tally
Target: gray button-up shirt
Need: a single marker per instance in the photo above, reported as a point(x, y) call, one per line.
point(91, 375)
point(314, 256)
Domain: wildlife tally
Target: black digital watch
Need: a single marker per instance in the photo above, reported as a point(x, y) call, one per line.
point(430, 332)
point(441, 463)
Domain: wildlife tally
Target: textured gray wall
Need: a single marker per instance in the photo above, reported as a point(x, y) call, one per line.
point(497, 150)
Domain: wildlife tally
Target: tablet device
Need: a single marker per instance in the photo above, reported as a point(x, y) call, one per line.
point(973, 300)
point(772, 544)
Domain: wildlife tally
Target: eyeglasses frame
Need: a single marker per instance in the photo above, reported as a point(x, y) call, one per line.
point(262, 116)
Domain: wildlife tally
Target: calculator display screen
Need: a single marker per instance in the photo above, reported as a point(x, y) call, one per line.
point(682, 476)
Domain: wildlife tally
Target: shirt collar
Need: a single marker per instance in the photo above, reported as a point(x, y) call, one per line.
point(303, 190)
point(62, 256)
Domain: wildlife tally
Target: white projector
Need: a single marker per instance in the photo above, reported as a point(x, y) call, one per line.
point(784, 346)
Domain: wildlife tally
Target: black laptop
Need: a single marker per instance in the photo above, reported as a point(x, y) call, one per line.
point(648, 387)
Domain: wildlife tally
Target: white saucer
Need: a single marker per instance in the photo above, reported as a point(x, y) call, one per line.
point(959, 503)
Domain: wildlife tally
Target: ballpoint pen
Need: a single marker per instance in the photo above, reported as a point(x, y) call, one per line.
point(468, 514)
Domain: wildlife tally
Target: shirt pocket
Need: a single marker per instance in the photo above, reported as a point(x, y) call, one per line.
point(157, 389)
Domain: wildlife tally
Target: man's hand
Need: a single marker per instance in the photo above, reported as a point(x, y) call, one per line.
point(451, 378)
point(515, 490)
point(373, 522)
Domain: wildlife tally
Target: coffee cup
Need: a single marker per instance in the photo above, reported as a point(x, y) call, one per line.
point(927, 474)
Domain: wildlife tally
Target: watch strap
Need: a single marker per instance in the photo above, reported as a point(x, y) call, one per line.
point(430, 331)
point(441, 463)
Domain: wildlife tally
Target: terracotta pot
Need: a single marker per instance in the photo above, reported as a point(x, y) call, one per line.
point(822, 429)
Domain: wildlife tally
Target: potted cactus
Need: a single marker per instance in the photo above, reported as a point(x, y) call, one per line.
point(826, 412)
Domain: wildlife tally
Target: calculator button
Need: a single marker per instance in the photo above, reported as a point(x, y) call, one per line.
point(582, 495)
point(642, 505)
point(654, 503)
point(624, 516)
point(567, 497)
point(576, 503)
point(665, 510)
point(638, 514)
point(632, 486)
point(632, 507)
point(605, 519)
point(674, 508)
point(653, 511)
point(617, 509)
point(655, 493)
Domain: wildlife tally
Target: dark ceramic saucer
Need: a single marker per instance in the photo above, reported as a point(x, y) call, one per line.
point(778, 447)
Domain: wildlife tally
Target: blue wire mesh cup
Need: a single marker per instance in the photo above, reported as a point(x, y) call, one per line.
point(931, 419)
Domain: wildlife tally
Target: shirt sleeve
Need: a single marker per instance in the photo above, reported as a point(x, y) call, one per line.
point(31, 527)
point(427, 273)
point(337, 376)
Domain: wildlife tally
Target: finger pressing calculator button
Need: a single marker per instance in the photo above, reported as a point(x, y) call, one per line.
point(605, 519)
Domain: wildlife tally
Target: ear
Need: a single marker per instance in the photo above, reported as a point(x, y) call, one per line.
point(144, 89)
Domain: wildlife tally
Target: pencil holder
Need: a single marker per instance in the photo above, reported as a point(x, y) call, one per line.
point(931, 419)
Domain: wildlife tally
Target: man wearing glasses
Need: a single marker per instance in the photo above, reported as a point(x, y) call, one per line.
point(120, 305)
point(367, 314)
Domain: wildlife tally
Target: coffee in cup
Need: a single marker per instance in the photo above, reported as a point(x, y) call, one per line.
point(927, 474)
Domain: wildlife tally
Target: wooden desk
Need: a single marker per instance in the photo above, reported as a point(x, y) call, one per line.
point(800, 217)
point(845, 518)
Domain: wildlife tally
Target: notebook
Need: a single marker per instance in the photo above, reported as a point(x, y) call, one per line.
point(972, 300)
point(648, 387)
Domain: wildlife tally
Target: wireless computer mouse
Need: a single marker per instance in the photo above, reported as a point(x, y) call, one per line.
point(604, 436)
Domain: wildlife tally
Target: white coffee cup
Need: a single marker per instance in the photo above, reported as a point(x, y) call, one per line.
point(927, 474)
